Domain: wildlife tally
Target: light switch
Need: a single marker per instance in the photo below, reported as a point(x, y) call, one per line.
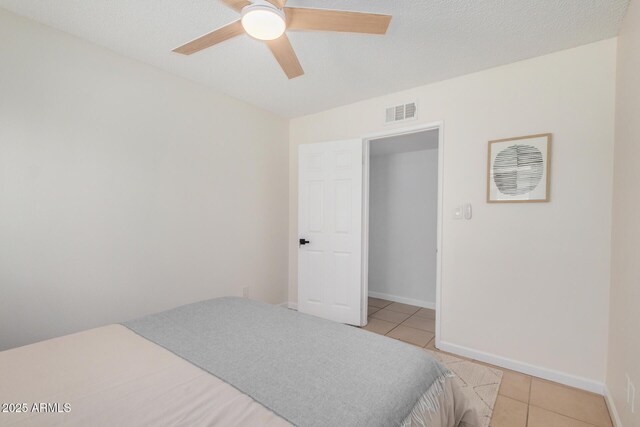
point(458, 212)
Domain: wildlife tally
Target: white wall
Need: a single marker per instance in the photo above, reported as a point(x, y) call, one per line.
point(403, 211)
point(524, 285)
point(125, 190)
point(624, 332)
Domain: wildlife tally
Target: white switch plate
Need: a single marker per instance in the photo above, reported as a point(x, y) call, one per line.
point(467, 211)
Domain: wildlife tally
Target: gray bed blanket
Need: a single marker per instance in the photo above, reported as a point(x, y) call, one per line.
point(309, 371)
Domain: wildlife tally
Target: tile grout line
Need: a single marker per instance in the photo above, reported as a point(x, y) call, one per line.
point(564, 415)
point(529, 400)
point(394, 328)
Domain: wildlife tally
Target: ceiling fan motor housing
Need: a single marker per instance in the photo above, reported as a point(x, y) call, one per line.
point(263, 21)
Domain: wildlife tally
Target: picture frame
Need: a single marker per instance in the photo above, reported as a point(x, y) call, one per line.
point(518, 169)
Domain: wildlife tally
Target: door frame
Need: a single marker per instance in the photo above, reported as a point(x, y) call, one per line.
point(365, 210)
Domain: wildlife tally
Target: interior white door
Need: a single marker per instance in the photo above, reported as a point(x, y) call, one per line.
point(330, 230)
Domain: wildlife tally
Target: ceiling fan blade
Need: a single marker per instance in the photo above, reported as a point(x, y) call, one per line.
point(236, 4)
point(217, 36)
point(336, 20)
point(286, 57)
point(278, 3)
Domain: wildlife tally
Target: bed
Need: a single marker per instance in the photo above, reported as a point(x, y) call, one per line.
point(228, 362)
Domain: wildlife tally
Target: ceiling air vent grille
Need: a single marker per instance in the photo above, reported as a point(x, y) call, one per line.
point(401, 113)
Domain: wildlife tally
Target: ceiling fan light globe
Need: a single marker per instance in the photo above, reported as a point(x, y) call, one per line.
point(263, 22)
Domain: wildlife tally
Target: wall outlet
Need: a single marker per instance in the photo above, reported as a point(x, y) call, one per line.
point(245, 292)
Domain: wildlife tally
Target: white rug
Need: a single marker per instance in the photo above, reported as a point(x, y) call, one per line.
point(478, 382)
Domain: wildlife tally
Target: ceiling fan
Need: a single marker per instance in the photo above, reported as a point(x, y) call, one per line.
point(268, 20)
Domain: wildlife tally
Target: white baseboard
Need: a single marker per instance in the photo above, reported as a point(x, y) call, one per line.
point(403, 300)
point(525, 368)
point(615, 417)
point(288, 304)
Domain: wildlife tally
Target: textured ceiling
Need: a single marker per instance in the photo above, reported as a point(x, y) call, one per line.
point(427, 41)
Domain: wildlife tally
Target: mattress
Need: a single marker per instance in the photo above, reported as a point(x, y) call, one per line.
point(112, 376)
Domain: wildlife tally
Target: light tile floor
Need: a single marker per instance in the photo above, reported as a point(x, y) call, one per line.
point(523, 401)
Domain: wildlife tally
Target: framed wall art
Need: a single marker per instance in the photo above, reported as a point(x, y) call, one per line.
point(518, 169)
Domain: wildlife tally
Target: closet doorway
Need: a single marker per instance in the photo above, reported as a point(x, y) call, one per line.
point(402, 212)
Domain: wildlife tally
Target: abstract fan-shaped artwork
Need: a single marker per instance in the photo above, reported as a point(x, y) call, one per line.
point(518, 169)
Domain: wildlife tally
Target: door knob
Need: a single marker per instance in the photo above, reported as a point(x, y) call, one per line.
point(303, 242)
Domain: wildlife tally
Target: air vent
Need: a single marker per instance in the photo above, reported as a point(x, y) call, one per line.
point(401, 113)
